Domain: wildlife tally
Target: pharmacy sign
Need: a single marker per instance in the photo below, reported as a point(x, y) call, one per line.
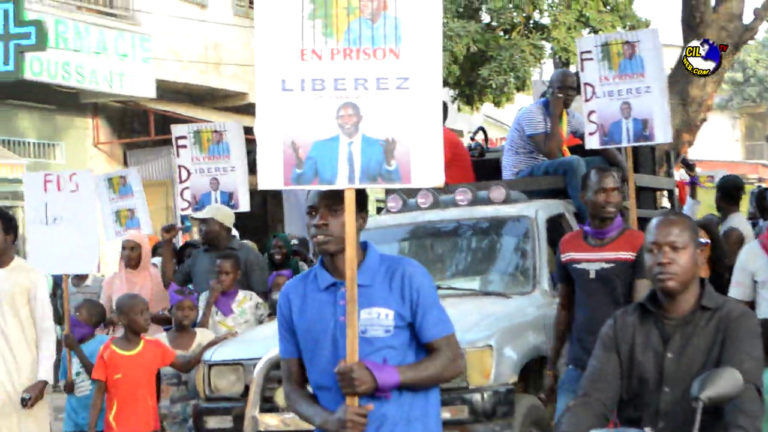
point(17, 36)
point(93, 57)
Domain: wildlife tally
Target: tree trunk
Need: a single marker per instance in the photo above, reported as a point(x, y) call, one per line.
point(691, 97)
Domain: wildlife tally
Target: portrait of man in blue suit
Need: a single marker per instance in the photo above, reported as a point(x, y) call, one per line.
point(376, 28)
point(125, 190)
point(632, 63)
point(132, 221)
point(214, 196)
point(627, 130)
point(219, 146)
point(348, 158)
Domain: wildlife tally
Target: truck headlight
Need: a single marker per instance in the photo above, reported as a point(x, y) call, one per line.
point(200, 382)
point(479, 366)
point(227, 380)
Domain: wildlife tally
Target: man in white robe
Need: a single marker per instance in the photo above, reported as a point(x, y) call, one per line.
point(27, 338)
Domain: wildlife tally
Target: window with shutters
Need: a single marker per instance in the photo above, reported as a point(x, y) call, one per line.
point(48, 151)
point(243, 8)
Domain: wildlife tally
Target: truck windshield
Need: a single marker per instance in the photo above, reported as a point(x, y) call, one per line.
point(492, 255)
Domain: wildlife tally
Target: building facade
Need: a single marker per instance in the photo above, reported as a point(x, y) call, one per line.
point(115, 76)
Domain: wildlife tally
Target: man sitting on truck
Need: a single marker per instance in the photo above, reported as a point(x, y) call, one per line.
point(537, 142)
point(649, 353)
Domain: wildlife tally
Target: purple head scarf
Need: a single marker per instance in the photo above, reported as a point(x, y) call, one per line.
point(287, 273)
point(177, 294)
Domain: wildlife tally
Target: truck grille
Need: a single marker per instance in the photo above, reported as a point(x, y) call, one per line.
point(273, 381)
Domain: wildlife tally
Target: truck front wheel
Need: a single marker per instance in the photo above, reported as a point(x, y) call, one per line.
point(530, 415)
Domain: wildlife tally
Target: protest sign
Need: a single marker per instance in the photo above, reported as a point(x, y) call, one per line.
point(61, 222)
point(123, 203)
point(349, 95)
point(211, 166)
point(624, 88)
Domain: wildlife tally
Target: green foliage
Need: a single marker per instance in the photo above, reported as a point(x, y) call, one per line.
point(746, 82)
point(491, 47)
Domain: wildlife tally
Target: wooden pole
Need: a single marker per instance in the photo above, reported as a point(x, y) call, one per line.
point(632, 188)
point(350, 264)
point(65, 301)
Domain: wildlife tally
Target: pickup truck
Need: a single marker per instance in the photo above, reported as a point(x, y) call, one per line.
point(491, 252)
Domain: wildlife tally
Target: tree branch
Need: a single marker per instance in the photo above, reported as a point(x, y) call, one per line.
point(750, 30)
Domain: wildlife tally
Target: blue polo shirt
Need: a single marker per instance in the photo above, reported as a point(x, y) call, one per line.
point(400, 311)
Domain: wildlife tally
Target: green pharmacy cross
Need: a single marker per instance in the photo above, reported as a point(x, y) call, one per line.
point(17, 36)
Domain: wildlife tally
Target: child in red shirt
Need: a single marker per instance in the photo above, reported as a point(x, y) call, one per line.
point(126, 368)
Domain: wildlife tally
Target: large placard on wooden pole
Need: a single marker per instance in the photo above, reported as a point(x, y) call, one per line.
point(349, 97)
point(625, 95)
point(211, 166)
point(61, 228)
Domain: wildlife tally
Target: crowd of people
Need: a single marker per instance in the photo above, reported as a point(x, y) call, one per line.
point(642, 314)
point(641, 328)
point(136, 335)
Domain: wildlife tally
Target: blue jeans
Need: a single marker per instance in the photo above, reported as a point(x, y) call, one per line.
point(572, 168)
point(567, 389)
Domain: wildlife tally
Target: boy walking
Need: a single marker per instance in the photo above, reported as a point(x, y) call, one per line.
point(85, 345)
point(126, 369)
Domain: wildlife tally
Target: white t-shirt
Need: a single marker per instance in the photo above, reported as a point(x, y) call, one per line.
point(749, 281)
point(740, 222)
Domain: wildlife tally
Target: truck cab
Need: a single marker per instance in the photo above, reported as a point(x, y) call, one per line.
point(491, 252)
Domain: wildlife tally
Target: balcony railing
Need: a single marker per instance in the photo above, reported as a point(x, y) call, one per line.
point(114, 8)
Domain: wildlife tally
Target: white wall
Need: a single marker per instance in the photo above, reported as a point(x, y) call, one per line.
point(719, 138)
point(207, 46)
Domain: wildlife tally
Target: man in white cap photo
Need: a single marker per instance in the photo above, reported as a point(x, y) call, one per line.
point(216, 232)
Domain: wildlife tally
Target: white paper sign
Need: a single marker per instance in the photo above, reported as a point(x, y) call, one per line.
point(123, 203)
point(211, 166)
point(349, 93)
point(624, 88)
point(61, 222)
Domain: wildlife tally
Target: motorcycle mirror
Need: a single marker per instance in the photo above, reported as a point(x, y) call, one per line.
point(717, 386)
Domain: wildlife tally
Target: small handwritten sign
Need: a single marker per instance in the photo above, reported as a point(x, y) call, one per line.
point(61, 222)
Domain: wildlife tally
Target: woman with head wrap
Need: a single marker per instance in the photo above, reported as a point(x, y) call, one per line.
point(282, 266)
point(136, 275)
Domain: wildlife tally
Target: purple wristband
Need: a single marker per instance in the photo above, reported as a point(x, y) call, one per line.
point(387, 377)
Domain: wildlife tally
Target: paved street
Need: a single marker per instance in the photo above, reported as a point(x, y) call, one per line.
point(58, 399)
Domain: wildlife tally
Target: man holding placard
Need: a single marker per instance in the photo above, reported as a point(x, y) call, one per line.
point(27, 329)
point(407, 343)
point(216, 227)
